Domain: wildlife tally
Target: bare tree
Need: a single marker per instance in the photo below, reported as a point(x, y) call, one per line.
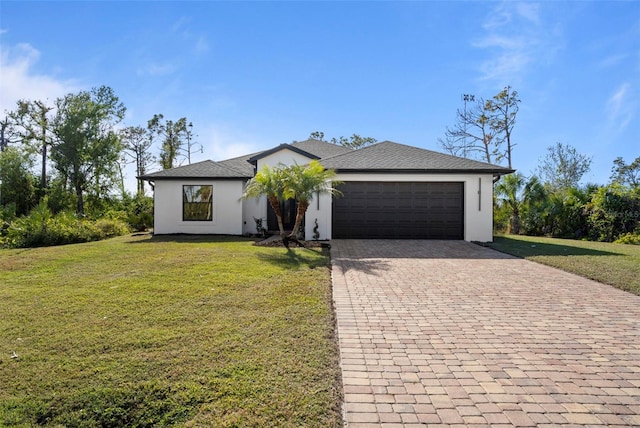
point(353, 142)
point(473, 134)
point(484, 131)
point(136, 144)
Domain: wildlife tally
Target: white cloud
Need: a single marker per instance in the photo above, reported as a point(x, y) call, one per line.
point(156, 69)
point(19, 81)
point(620, 109)
point(220, 143)
point(515, 38)
point(202, 46)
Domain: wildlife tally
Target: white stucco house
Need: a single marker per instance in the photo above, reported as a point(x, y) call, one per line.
point(390, 190)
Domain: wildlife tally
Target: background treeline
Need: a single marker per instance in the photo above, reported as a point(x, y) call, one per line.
point(62, 172)
point(62, 165)
point(551, 200)
point(557, 206)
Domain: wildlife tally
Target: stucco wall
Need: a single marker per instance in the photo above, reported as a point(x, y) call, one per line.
point(255, 207)
point(285, 157)
point(478, 202)
point(227, 208)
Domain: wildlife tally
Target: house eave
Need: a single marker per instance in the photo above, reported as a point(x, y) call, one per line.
point(422, 171)
point(190, 178)
point(254, 159)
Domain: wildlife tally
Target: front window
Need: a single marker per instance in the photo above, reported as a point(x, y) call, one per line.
point(197, 203)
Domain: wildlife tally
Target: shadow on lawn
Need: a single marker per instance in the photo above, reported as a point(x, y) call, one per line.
point(296, 258)
point(183, 237)
point(524, 249)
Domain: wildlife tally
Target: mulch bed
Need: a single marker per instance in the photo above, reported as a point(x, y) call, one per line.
point(276, 241)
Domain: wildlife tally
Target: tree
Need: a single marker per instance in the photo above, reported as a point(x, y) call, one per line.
point(508, 190)
point(483, 130)
point(268, 181)
point(302, 183)
point(353, 142)
point(173, 136)
point(136, 144)
point(473, 134)
point(626, 175)
point(16, 180)
point(8, 133)
point(563, 167)
point(88, 147)
point(504, 108)
point(36, 131)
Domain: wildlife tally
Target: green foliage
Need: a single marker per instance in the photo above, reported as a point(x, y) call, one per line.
point(139, 212)
point(563, 167)
point(629, 238)
point(88, 148)
point(42, 228)
point(626, 175)
point(613, 211)
point(173, 135)
point(508, 190)
point(299, 182)
point(17, 183)
point(595, 213)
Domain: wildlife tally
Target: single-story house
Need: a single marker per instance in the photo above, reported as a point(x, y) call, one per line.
point(390, 190)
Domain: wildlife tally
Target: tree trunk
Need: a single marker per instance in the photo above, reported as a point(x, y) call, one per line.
point(275, 204)
point(80, 200)
point(302, 209)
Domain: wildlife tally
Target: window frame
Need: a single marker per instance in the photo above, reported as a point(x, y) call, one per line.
point(185, 202)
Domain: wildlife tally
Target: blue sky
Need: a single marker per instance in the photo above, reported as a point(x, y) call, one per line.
point(252, 75)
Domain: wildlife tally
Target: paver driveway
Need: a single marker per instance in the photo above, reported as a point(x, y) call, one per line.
point(451, 333)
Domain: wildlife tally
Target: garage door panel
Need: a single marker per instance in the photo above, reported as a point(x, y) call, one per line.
point(399, 210)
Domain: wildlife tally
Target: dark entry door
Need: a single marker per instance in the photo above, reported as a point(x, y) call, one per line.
point(288, 209)
point(399, 210)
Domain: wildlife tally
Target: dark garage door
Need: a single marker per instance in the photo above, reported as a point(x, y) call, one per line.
point(399, 210)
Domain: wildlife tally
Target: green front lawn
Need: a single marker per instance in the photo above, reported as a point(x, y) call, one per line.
point(183, 331)
point(614, 264)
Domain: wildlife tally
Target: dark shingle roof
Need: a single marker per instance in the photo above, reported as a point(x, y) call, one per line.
point(241, 164)
point(204, 169)
point(321, 149)
point(388, 156)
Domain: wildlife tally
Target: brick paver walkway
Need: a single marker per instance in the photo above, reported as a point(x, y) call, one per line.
point(454, 334)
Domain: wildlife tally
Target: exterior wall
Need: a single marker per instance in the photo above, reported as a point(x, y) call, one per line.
point(285, 157)
point(478, 202)
point(256, 207)
point(227, 208)
point(322, 212)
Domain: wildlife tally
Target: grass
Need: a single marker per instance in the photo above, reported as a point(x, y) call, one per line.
point(177, 331)
point(614, 264)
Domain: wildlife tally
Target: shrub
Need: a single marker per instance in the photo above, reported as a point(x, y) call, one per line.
point(629, 238)
point(139, 213)
point(613, 211)
point(41, 228)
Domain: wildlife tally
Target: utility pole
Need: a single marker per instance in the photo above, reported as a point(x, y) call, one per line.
point(466, 98)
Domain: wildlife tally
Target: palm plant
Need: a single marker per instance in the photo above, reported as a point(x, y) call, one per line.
point(302, 182)
point(508, 190)
point(269, 181)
